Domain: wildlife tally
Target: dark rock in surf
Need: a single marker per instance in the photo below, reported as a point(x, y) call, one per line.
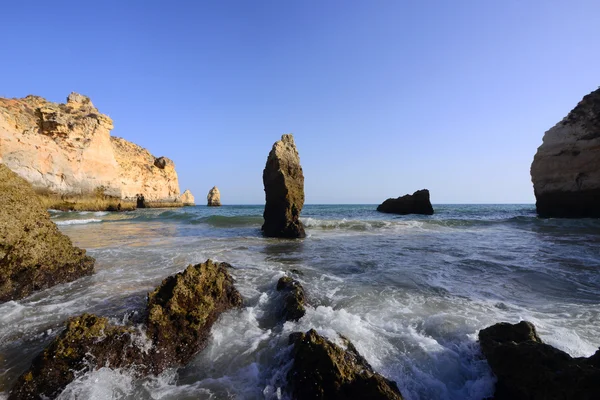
point(34, 254)
point(88, 342)
point(140, 201)
point(323, 370)
point(184, 307)
point(284, 190)
point(293, 298)
point(566, 168)
point(417, 203)
point(527, 368)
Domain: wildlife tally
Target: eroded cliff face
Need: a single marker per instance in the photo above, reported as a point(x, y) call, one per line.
point(566, 168)
point(67, 149)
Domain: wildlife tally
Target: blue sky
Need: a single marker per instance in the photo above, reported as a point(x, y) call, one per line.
point(383, 97)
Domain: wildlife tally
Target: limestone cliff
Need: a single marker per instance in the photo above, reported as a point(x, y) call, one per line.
point(566, 168)
point(67, 149)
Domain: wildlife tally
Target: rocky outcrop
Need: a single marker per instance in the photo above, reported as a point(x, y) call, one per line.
point(293, 299)
point(187, 198)
point(566, 168)
point(417, 203)
point(527, 368)
point(180, 313)
point(214, 197)
point(66, 149)
point(34, 255)
point(183, 309)
point(284, 190)
point(324, 370)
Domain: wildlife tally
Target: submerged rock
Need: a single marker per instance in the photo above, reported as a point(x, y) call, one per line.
point(181, 312)
point(293, 298)
point(87, 343)
point(184, 307)
point(527, 368)
point(323, 370)
point(284, 191)
point(187, 198)
point(34, 254)
point(417, 203)
point(566, 168)
point(214, 197)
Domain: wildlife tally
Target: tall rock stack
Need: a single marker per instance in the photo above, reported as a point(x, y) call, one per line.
point(214, 197)
point(284, 191)
point(566, 168)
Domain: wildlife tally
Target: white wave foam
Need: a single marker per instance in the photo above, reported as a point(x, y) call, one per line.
point(104, 383)
point(77, 221)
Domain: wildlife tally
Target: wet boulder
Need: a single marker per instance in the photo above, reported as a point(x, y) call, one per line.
point(184, 307)
point(34, 254)
point(417, 203)
point(527, 368)
point(88, 342)
point(284, 191)
point(293, 299)
point(324, 370)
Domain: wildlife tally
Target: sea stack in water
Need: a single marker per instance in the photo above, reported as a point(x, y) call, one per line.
point(529, 369)
point(34, 255)
point(214, 197)
point(566, 168)
point(187, 198)
point(417, 203)
point(284, 191)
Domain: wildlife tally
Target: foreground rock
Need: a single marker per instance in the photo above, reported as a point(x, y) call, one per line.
point(566, 168)
point(66, 150)
point(294, 299)
point(183, 309)
point(284, 190)
point(187, 198)
point(181, 312)
point(527, 368)
point(417, 203)
point(214, 197)
point(323, 370)
point(34, 255)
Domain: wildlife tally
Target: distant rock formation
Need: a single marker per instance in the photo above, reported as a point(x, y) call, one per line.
point(181, 312)
point(566, 168)
point(214, 197)
point(294, 299)
point(324, 370)
point(187, 198)
point(528, 369)
point(34, 255)
point(284, 189)
point(67, 149)
point(417, 203)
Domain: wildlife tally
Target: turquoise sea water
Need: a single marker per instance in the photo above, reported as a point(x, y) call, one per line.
point(411, 292)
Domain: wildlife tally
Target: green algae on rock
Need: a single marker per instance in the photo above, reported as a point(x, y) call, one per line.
point(324, 370)
point(527, 368)
point(294, 298)
point(184, 307)
point(34, 254)
point(87, 343)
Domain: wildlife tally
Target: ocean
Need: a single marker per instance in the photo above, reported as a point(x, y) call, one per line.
point(411, 292)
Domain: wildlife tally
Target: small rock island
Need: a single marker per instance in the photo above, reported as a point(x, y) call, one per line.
point(214, 197)
point(417, 203)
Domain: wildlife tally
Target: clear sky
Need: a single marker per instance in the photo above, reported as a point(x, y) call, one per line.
point(383, 97)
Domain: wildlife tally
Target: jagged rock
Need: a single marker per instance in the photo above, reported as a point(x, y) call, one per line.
point(417, 203)
point(66, 149)
point(566, 168)
point(323, 370)
point(88, 342)
point(187, 198)
point(183, 309)
point(293, 298)
point(284, 189)
point(214, 197)
point(527, 368)
point(181, 312)
point(34, 255)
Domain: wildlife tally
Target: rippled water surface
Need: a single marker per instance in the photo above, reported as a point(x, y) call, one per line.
point(411, 292)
